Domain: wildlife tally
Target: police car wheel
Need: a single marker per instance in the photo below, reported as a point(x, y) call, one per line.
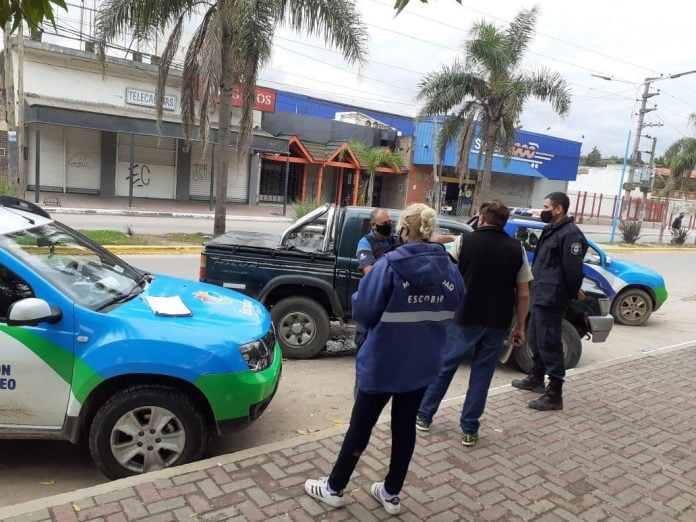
point(632, 307)
point(572, 349)
point(302, 326)
point(145, 428)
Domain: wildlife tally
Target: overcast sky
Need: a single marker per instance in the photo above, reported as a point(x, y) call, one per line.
point(626, 40)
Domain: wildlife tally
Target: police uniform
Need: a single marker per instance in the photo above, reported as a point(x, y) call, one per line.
point(558, 276)
point(371, 248)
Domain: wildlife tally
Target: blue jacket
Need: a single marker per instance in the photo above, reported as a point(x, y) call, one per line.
point(405, 302)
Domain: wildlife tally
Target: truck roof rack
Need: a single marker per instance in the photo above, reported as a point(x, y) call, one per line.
point(23, 205)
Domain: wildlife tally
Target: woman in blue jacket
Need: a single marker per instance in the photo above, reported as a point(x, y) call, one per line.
point(405, 302)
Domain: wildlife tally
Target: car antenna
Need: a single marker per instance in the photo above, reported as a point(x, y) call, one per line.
point(31, 221)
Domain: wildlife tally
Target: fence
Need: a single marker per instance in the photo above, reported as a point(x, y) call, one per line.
point(588, 207)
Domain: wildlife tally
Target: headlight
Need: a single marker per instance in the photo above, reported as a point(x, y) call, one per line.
point(259, 354)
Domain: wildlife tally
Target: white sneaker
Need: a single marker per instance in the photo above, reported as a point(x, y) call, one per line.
point(319, 489)
point(393, 506)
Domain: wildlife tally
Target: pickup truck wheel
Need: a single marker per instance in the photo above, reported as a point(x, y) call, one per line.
point(572, 349)
point(632, 307)
point(145, 428)
point(302, 326)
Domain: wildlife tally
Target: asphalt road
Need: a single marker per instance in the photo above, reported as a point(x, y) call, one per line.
point(317, 394)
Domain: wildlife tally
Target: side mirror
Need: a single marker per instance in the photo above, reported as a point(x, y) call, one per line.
point(31, 312)
point(607, 260)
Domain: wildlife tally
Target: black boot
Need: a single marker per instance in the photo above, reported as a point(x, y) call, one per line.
point(552, 398)
point(530, 382)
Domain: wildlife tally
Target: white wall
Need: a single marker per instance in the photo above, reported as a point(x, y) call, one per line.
point(543, 187)
point(602, 180)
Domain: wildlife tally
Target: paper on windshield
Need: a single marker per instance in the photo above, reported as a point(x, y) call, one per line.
point(168, 306)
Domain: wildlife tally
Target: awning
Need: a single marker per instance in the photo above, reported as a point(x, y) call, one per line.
point(113, 118)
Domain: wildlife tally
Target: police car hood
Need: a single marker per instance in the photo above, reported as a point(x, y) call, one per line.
point(214, 311)
point(421, 264)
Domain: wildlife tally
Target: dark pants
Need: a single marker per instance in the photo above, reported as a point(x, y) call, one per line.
point(545, 339)
point(366, 411)
point(487, 343)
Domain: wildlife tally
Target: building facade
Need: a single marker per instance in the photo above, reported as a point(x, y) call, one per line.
point(93, 130)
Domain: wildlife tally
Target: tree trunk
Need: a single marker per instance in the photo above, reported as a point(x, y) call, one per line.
point(484, 187)
point(370, 189)
point(224, 134)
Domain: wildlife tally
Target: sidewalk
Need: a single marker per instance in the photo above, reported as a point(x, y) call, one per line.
point(93, 204)
point(624, 449)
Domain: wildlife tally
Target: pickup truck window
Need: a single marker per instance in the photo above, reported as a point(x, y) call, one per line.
point(83, 271)
point(12, 289)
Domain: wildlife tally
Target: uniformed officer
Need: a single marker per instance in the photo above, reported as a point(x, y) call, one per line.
point(380, 240)
point(558, 275)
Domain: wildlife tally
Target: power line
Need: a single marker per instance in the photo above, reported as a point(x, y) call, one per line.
point(587, 49)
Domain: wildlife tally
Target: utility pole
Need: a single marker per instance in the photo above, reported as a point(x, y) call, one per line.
point(10, 105)
point(635, 155)
point(645, 184)
point(21, 167)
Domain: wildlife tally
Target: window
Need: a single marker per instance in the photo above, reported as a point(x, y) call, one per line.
point(529, 237)
point(592, 257)
point(82, 270)
point(12, 289)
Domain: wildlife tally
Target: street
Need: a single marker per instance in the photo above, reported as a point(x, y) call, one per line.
point(317, 394)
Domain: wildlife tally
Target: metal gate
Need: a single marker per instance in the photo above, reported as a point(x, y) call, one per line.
point(272, 182)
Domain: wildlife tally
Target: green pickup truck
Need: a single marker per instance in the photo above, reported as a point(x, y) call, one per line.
point(306, 277)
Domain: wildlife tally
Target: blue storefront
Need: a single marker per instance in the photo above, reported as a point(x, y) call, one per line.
point(538, 164)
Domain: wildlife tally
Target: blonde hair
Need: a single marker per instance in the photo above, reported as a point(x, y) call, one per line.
point(419, 217)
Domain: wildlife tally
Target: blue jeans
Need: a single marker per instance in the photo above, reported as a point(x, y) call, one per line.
point(487, 343)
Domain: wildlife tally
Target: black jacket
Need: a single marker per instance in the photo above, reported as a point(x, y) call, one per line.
point(558, 264)
point(489, 261)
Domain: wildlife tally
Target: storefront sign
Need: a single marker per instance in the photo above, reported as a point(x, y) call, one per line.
point(265, 98)
point(147, 99)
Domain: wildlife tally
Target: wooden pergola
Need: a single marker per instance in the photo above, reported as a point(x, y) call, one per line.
point(343, 158)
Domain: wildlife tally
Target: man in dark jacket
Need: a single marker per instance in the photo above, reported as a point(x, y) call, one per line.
point(496, 275)
point(558, 275)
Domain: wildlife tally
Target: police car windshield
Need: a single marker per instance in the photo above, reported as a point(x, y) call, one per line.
point(85, 272)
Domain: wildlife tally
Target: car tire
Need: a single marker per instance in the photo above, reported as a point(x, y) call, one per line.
point(572, 349)
point(632, 307)
point(180, 432)
point(302, 327)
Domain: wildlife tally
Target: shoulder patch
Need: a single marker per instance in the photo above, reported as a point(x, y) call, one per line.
point(576, 248)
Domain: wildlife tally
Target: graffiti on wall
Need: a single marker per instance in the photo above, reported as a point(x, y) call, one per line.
point(139, 175)
point(82, 161)
point(200, 172)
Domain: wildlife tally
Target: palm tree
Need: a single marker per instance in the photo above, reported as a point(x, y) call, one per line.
point(485, 92)
point(229, 48)
point(400, 5)
point(681, 155)
point(372, 158)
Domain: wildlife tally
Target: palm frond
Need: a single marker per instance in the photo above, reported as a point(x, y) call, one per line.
point(446, 89)
point(520, 33)
point(193, 71)
point(550, 86)
point(165, 63)
point(681, 156)
point(338, 21)
point(487, 49)
point(692, 119)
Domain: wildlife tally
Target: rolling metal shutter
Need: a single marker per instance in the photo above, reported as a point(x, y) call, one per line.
point(83, 160)
point(514, 191)
point(237, 178)
point(155, 160)
point(52, 168)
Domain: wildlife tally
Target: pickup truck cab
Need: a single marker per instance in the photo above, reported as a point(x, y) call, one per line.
point(84, 353)
point(306, 277)
point(636, 291)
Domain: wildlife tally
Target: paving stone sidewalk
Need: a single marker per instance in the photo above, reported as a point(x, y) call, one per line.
point(623, 449)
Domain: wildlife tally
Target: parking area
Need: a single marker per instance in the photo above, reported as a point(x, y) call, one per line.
point(317, 394)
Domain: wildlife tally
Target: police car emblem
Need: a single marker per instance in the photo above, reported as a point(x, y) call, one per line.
point(576, 249)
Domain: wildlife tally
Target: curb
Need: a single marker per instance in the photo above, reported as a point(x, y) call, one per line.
point(108, 487)
point(153, 249)
point(155, 213)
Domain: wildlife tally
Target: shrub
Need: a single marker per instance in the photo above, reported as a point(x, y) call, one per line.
point(630, 230)
point(302, 209)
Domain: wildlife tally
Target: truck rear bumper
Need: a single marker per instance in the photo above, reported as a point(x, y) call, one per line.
point(600, 326)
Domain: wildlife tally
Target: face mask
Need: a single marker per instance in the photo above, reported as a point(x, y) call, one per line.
point(546, 216)
point(384, 229)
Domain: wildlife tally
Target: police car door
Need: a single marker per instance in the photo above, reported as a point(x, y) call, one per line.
point(36, 362)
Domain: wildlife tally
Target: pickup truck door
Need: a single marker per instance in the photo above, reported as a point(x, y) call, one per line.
point(348, 274)
point(36, 362)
